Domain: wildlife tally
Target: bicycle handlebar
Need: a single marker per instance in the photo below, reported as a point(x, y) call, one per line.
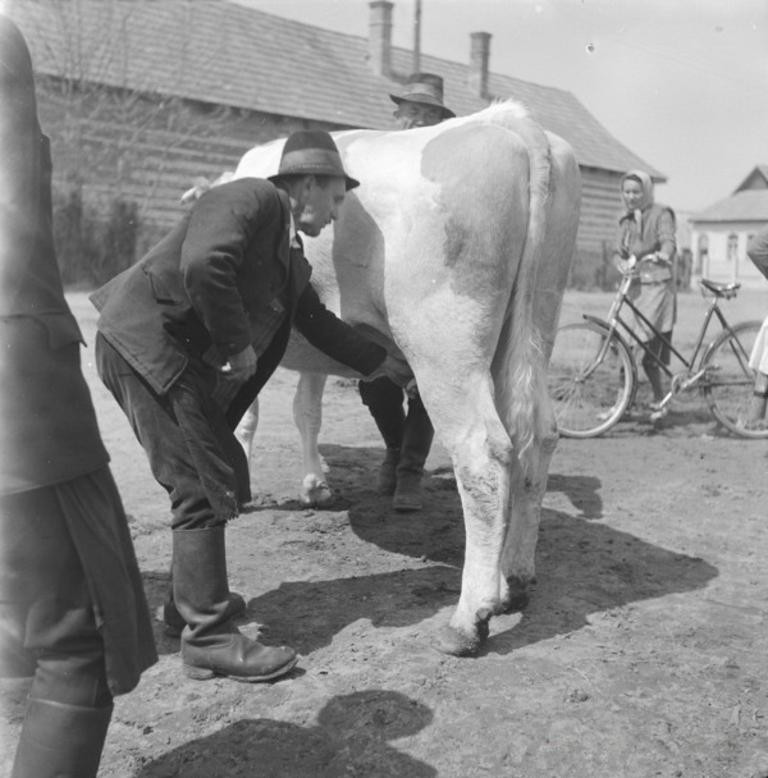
point(629, 266)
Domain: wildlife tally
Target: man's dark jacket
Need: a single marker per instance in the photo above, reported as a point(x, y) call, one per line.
point(226, 276)
point(49, 431)
point(49, 440)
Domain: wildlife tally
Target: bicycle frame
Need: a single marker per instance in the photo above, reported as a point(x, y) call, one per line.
point(593, 378)
point(615, 320)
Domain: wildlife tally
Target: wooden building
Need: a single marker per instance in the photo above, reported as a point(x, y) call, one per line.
point(142, 96)
point(720, 233)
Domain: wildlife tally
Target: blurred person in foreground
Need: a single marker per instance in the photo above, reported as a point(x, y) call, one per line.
point(757, 251)
point(72, 610)
point(646, 243)
point(188, 337)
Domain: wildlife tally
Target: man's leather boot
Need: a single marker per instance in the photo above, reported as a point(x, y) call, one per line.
point(60, 741)
point(210, 643)
point(384, 399)
point(417, 439)
point(387, 479)
point(173, 623)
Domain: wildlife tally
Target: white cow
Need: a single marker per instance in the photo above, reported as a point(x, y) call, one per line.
point(455, 250)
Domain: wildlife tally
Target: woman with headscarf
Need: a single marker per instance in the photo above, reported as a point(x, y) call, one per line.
point(646, 242)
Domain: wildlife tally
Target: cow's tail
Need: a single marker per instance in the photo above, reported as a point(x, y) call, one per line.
point(519, 357)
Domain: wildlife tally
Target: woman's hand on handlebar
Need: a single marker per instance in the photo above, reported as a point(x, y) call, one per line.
point(626, 266)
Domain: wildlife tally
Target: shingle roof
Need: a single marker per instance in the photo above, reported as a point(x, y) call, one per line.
point(757, 172)
point(224, 53)
point(749, 205)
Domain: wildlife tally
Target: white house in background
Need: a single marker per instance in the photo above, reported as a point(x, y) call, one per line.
point(719, 234)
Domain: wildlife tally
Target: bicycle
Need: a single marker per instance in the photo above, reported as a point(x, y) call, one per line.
point(593, 373)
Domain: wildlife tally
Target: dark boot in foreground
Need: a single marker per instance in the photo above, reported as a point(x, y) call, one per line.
point(417, 439)
point(211, 644)
point(60, 741)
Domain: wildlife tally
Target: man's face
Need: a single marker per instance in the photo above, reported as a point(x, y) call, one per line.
point(410, 115)
point(319, 203)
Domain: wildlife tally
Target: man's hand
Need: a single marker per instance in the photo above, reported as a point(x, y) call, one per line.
point(241, 366)
point(395, 369)
point(233, 375)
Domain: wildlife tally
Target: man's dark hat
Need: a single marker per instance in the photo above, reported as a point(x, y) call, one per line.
point(426, 88)
point(312, 152)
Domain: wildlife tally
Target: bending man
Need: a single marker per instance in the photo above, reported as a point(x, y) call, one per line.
point(187, 338)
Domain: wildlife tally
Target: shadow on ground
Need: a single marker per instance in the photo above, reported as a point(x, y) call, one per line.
point(683, 419)
point(156, 587)
point(351, 738)
point(583, 491)
point(583, 566)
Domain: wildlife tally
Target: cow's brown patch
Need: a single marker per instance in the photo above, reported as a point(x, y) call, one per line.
point(485, 215)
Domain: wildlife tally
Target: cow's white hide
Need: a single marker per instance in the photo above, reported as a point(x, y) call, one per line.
point(455, 251)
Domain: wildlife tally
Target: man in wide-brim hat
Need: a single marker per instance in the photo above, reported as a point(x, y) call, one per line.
point(186, 339)
point(420, 104)
point(407, 435)
point(312, 153)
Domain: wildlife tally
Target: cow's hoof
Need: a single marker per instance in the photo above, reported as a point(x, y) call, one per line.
point(315, 493)
point(517, 597)
point(457, 642)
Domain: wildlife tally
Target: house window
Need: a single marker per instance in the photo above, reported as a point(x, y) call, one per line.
point(704, 243)
point(732, 252)
point(702, 254)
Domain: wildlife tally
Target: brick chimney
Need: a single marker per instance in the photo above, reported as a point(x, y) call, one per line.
point(380, 37)
point(479, 57)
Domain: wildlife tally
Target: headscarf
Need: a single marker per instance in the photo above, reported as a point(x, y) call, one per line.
point(646, 184)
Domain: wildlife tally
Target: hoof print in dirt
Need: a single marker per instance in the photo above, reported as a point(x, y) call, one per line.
point(577, 695)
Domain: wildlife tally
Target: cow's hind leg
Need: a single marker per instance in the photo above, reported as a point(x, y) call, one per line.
point(470, 428)
point(520, 375)
point(308, 415)
point(528, 482)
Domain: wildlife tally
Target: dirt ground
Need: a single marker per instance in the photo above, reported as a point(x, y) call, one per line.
point(643, 651)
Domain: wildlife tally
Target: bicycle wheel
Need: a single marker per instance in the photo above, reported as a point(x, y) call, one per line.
point(589, 396)
point(728, 380)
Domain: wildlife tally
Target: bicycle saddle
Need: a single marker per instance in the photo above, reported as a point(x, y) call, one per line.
point(720, 290)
